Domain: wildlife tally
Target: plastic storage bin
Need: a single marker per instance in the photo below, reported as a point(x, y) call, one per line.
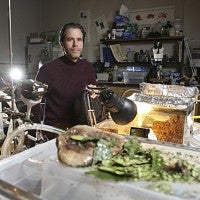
point(24, 170)
point(62, 182)
point(38, 172)
point(134, 77)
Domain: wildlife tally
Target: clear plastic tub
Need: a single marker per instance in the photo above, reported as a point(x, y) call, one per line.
point(63, 182)
point(134, 77)
point(37, 171)
point(24, 170)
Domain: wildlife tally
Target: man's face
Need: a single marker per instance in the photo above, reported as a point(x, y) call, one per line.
point(73, 43)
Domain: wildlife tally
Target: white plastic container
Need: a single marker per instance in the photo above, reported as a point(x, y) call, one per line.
point(134, 77)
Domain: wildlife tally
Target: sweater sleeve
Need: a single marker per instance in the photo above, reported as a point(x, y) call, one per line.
point(37, 110)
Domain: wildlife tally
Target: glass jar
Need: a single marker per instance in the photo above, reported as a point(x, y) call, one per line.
point(177, 26)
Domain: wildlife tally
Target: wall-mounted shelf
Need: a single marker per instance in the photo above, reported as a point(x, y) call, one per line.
point(174, 39)
point(120, 40)
point(177, 40)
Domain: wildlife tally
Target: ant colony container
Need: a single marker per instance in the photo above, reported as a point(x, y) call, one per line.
point(166, 110)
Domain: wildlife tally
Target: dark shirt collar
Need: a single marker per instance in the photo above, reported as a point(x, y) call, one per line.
point(66, 60)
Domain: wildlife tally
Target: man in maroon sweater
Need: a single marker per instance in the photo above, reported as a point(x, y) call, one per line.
point(66, 77)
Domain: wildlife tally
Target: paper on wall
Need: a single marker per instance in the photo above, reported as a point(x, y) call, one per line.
point(101, 25)
point(85, 22)
point(152, 15)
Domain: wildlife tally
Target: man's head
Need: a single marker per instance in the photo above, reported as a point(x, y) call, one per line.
point(72, 37)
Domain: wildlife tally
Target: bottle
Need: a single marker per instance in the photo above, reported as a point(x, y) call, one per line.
point(157, 28)
point(144, 32)
point(129, 55)
point(109, 35)
point(115, 72)
point(162, 32)
point(167, 28)
point(172, 31)
point(136, 56)
point(177, 26)
point(113, 34)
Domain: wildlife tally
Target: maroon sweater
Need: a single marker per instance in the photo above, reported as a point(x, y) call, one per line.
point(65, 80)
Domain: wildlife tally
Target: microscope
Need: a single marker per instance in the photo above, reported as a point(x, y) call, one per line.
point(158, 51)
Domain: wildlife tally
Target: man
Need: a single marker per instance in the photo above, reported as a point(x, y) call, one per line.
point(66, 77)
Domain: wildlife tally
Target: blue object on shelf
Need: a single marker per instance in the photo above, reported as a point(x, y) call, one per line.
point(136, 69)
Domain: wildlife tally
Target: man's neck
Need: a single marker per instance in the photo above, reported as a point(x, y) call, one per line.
point(72, 59)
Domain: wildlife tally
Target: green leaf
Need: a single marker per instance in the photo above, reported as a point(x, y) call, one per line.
point(82, 138)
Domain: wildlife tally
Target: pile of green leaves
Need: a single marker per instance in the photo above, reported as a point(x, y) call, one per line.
point(137, 163)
